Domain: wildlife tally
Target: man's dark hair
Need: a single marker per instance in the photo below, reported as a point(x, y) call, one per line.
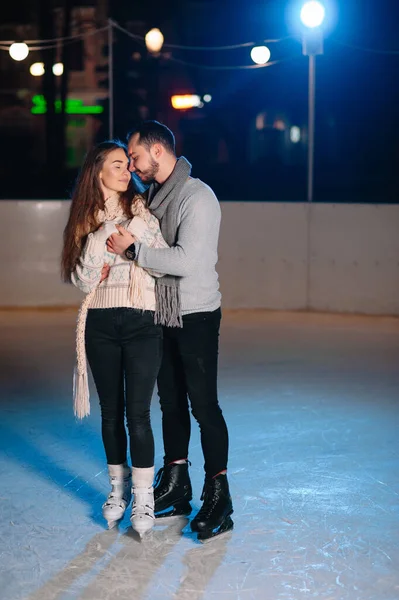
point(153, 132)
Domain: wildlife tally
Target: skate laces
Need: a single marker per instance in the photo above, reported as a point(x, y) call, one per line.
point(210, 500)
point(117, 500)
point(119, 494)
point(114, 502)
point(206, 489)
point(143, 503)
point(161, 478)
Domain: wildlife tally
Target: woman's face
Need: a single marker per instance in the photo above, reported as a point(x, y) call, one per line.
point(115, 176)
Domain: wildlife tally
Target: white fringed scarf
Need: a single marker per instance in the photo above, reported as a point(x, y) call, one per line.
point(137, 281)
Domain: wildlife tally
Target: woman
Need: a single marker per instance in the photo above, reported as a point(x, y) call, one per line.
point(116, 328)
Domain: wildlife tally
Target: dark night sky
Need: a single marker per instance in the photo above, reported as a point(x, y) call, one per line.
point(374, 22)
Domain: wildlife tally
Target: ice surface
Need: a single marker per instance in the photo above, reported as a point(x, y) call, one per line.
point(312, 404)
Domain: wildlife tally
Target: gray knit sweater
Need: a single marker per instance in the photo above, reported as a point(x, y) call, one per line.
point(193, 257)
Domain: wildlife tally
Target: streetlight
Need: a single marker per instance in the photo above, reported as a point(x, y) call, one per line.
point(18, 51)
point(312, 17)
point(154, 40)
point(260, 55)
point(312, 14)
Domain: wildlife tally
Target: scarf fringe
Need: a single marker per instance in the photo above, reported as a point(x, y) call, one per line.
point(137, 282)
point(168, 310)
point(81, 396)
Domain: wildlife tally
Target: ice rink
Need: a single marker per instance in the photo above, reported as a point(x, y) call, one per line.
point(312, 405)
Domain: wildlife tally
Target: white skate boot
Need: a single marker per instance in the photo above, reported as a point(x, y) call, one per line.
point(119, 498)
point(142, 517)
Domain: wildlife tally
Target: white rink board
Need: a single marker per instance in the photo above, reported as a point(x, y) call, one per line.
point(288, 256)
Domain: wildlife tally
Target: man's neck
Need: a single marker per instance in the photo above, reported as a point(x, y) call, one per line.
point(166, 170)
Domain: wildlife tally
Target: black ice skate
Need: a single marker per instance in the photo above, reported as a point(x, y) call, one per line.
point(214, 516)
point(172, 491)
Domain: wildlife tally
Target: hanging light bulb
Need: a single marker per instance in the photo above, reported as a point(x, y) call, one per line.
point(37, 69)
point(260, 55)
point(18, 51)
point(58, 69)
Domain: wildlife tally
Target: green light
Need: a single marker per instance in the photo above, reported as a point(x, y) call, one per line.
point(73, 107)
point(76, 122)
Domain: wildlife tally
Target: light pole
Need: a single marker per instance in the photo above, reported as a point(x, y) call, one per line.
point(111, 78)
point(312, 17)
point(154, 40)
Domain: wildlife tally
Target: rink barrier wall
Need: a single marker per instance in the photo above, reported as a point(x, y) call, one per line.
point(282, 256)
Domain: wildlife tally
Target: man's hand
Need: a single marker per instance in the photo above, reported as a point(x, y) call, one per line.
point(104, 272)
point(118, 242)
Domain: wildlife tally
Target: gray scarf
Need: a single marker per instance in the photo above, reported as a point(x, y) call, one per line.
point(167, 288)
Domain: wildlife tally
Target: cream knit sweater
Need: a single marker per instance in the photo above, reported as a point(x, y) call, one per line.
point(124, 274)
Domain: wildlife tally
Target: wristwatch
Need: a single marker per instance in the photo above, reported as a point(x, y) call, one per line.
point(130, 252)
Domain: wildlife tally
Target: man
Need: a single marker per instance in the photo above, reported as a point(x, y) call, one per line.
point(188, 306)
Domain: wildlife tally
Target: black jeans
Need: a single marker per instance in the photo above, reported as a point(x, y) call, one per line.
point(124, 349)
point(189, 371)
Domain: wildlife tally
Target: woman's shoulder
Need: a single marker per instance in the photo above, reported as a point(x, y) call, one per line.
point(139, 206)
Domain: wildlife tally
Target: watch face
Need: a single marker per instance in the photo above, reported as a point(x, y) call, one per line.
point(130, 253)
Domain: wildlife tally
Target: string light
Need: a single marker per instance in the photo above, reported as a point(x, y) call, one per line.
point(22, 49)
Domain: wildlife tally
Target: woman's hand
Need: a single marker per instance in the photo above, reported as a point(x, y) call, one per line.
point(117, 243)
point(104, 231)
point(104, 272)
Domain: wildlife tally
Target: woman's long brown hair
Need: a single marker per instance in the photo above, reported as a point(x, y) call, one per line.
point(87, 199)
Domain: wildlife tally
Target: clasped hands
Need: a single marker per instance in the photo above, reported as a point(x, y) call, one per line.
point(117, 243)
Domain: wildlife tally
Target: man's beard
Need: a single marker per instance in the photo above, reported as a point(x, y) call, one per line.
point(149, 174)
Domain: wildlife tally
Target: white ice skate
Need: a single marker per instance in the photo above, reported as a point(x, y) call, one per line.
point(142, 517)
point(121, 492)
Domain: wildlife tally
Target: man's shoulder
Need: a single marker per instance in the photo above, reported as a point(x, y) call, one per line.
point(196, 187)
point(198, 198)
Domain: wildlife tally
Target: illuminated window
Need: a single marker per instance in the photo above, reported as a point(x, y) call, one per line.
point(260, 121)
point(295, 134)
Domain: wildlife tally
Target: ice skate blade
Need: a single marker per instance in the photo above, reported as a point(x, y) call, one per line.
point(181, 510)
point(225, 527)
point(215, 537)
point(169, 518)
point(143, 535)
point(112, 524)
point(142, 531)
point(114, 516)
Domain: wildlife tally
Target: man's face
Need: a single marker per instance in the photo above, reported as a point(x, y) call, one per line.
point(142, 161)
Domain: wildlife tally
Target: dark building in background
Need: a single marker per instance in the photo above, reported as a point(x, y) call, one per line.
point(248, 136)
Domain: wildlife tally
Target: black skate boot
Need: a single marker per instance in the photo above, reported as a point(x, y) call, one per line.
point(214, 515)
point(172, 491)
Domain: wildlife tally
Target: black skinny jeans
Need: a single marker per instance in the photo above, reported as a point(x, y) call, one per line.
point(124, 349)
point(189, 371)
